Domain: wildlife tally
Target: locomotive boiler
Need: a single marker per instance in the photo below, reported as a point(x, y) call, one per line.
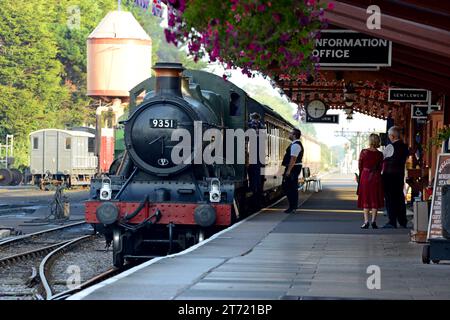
point(150, 198)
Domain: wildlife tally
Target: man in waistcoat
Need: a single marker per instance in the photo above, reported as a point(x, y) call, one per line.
point(395, 156)
point(292, 160)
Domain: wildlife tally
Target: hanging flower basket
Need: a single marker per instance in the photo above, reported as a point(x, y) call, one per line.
point(441, 136)
point(254, 35)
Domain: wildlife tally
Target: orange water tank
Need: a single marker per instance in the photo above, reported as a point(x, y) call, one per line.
point(119, 54)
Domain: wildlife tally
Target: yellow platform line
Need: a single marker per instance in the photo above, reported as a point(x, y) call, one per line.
point(321, 210)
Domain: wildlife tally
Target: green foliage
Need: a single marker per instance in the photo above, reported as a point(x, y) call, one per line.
point(442, 135)
point(161, 50)
point(30, 90)
point(325, 156)
point(43, 63)
point(281, 106)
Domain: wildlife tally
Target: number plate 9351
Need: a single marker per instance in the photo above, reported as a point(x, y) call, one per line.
point(163, 123)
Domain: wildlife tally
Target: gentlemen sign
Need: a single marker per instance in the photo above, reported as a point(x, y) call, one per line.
point(347, 48)
point(332, 118)
point(408, 95)
point(442, 178)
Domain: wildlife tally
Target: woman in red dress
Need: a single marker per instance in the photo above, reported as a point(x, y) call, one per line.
point(370, 188)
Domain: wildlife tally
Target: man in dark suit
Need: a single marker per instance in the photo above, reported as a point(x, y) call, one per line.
point(292, 160)
point(395, 156)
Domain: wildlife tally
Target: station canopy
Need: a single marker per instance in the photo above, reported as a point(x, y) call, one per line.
point(419, 32)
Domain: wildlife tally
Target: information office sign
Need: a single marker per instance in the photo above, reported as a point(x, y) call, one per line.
point(347, 48)
point(442, 177)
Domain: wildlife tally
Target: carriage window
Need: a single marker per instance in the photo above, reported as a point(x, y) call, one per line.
point(35, 143)
point(91, 145)
point(235, 104)
point(68, 143)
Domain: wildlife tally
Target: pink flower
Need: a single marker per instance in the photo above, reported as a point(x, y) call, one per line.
point(261, 8)
point(276, 17)
point(330, 6)
point(285, 37)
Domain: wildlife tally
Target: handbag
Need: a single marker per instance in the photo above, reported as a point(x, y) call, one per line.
point(357, 181)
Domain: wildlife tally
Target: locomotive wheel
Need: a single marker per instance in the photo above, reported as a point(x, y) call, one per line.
point(426, 254)
point(118, 256)
point(17, 177)
point(6, 177)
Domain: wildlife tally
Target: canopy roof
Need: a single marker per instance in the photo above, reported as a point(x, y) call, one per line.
point(420, 35)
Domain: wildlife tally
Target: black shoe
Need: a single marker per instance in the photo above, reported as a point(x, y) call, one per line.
point(404, 226)
point(289, 210)
point(374, 225)
point(365, 226)
point(389, 226)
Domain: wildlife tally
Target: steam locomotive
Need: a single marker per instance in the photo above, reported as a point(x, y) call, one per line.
point(148, 198)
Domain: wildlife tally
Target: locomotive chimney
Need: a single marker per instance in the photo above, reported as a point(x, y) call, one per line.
point(168, 78)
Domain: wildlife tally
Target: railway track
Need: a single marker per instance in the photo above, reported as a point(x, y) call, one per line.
point(54, 264)
point(18, 274)
point(20, 258)
point(33, 241)
point(75, 265)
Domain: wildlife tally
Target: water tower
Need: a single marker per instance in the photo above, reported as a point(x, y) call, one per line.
point(119, 53)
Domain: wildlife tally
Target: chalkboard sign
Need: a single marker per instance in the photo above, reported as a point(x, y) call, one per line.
point(442, 178)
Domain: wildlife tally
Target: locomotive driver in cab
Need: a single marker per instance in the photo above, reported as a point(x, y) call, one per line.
point(292, 160)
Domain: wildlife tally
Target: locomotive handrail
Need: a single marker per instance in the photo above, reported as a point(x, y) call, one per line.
point(126, 183)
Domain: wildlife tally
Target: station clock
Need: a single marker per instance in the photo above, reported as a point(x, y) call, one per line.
point(316, 109)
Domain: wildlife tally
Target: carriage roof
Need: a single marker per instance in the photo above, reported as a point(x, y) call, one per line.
point(69, 132)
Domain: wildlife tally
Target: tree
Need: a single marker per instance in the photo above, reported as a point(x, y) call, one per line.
point(30, 90)
point(161, 50)
point(43, 63)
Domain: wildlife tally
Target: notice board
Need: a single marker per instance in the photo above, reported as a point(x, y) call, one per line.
point(441, 178)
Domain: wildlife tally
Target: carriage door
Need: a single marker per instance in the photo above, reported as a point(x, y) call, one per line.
point(50, 151)
point(66, 144)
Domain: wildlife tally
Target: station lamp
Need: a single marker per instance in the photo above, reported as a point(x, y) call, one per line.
point(349, 99)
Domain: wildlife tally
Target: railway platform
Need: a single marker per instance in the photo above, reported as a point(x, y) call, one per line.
point(317, 253)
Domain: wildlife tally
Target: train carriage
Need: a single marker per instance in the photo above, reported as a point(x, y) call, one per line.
point(62, 156)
